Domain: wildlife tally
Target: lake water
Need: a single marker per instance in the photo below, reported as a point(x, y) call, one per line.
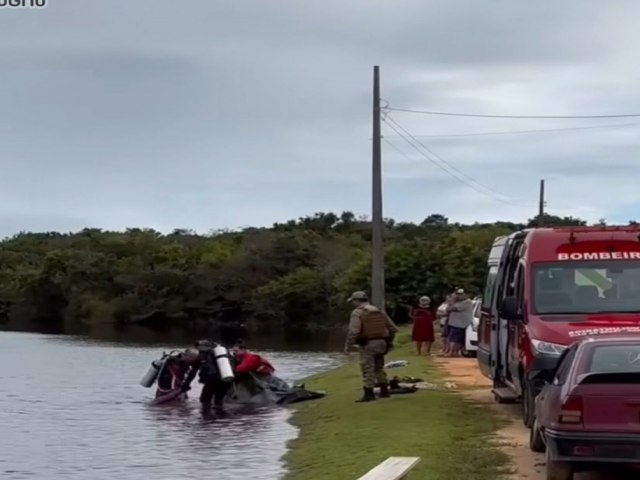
point(72, 408)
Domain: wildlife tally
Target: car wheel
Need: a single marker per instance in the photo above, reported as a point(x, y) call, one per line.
point(499, 399)
point(536, 443)
point(528, 402)
point(558, 470)
point(466, 353)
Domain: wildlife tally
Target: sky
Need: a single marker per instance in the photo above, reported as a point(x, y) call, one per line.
point(206, 115)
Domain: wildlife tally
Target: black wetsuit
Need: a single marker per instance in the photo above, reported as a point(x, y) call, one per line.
point(213, 385)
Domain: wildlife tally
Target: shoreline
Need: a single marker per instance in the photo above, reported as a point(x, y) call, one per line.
point(455, 437)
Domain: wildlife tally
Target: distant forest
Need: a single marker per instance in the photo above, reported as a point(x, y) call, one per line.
point(297, 273)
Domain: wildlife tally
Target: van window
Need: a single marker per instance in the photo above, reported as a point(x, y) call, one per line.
point(609, 286)
point(519, 286)
point(489, 284)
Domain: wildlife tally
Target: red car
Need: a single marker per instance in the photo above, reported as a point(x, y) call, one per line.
point(588, 415)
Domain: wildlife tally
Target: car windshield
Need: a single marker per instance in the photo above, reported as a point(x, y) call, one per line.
point(586, 287)
point(614, 359)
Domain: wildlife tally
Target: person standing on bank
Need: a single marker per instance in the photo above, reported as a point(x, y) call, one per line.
point(443, 316)
point(460, 317)
point(422, 332)
point(373, 331)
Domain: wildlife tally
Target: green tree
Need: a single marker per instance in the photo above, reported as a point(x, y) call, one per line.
point(300, 271)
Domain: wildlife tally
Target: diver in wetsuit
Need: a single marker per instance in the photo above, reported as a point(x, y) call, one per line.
point(173, 374)
point(213, 385)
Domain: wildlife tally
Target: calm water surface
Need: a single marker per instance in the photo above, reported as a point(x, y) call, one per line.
point(72, 408)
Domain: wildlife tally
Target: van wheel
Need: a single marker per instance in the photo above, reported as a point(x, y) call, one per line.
point(528, 403)
point(558, 470)
point(536, 443)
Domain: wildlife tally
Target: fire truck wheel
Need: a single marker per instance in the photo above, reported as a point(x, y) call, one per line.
point(528, 402)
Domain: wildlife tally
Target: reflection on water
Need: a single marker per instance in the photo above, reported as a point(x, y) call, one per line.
point(72, 408)
point(263, 337)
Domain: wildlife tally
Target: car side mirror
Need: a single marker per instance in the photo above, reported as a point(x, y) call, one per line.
point(509, 309)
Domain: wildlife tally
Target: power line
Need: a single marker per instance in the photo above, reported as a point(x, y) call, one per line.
point(563, 209)
point(495, 195)
point(399, 150)
point(478, 115)
point(559, 209)
point(395, 147)
point(438, 157)
point(516, 132)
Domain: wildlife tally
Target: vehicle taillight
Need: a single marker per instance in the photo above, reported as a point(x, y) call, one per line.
point(571, 410)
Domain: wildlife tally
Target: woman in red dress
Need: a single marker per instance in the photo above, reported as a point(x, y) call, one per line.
point(423, 318)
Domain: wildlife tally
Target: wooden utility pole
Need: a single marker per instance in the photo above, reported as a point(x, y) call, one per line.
point(377, 225)
point(541, 205)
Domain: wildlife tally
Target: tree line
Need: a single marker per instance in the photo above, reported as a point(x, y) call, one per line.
point(298, 272)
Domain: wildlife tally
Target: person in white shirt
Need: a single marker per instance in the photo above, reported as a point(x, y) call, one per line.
point(460, 317)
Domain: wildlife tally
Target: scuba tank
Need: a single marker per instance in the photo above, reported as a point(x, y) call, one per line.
point(223, 362)
point(155, 370)
point(153, 373)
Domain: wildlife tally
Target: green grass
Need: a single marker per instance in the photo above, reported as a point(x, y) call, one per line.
point(342, 440)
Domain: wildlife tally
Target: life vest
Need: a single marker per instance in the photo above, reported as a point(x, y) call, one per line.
point(374, 324)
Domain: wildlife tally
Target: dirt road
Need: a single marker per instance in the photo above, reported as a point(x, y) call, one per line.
point(514, 439)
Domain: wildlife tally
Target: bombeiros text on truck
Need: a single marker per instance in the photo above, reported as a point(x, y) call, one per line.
point(544, 289)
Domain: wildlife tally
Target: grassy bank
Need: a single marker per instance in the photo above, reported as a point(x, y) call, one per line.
point(342, 440)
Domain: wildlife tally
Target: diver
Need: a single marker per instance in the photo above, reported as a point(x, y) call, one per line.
point(216, 374)
point(172, 375)
point(249, 362)
point(255, 371)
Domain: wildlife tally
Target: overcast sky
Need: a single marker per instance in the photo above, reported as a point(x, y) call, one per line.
point(221, 114)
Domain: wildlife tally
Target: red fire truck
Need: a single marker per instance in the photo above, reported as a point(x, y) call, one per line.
point(544, 289)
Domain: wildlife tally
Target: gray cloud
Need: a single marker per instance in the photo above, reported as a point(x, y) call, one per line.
point(207, 114)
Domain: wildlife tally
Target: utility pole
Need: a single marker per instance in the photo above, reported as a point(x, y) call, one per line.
point(541, 205)
point(377, 225)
